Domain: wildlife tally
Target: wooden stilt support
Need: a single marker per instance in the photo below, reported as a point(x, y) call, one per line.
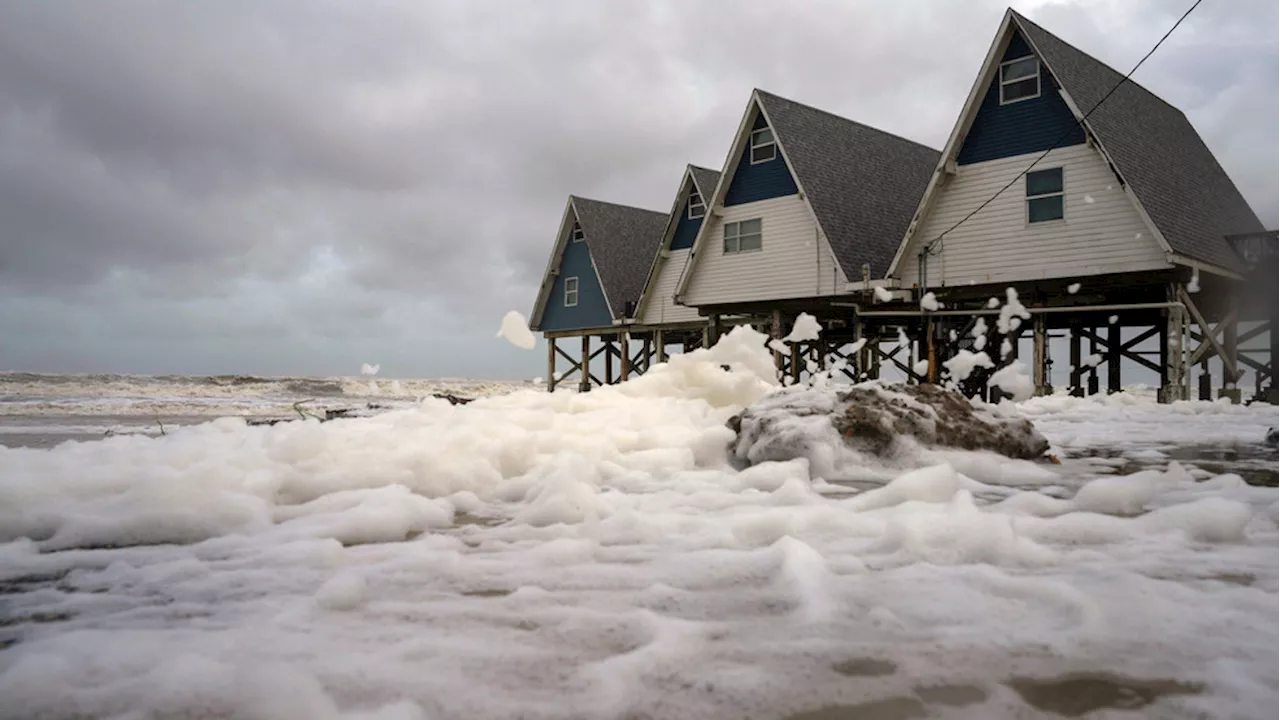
point(584, 384)
point(608, 358)
point(713, 328)
point(551, 364)
point(1114, 355)
point(1038, 365)
point(660, 344)
point(931, 374)
point(860, 363)
point(1093, 364)
point(913, 356)
point(1174, 381)
point(1077, 368)
point(1273, 351)
point(775, 333)
point(624, 340)
point(795, 363)
point(1232, 349)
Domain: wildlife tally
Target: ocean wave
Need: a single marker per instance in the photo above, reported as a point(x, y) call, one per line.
point(25, 393)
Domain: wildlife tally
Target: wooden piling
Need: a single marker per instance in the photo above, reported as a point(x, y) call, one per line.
point(1115, 353)
point(624, 340)
point(551, 364)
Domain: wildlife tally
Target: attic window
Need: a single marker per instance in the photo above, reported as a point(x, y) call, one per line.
point(571, 291)
point(1019, 80)
point(696, 207)
point(577, 235)
point(1044, 195)
point(763, 149)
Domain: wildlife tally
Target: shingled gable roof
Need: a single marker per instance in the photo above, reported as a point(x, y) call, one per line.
point(1177, 180)
point(705, 179)
point(862, 183)
point(623, 241)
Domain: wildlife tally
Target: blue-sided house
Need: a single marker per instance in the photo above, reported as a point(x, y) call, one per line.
point(1099, 196)
point(657, 310)
point(596, 272)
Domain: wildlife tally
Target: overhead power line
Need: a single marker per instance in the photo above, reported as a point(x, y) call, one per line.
point(1080, 123)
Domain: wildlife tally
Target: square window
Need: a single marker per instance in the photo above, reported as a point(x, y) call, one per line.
point(577, 235)
point(1045, 196)
point(1019, 79)
point(1044, 209)
point(1043, 182)
point(763, 148)
point(744, 236)
point(696, 208)
point(571, 291)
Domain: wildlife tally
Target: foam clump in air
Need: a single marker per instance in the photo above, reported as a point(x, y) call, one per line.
point(929, 302)
point(882, 295)
point(805, 329)
point(367, 369)
point(1073, 288)
point(515, 330)
point(964, 362)
point(1013, 379)
point(1012, 313)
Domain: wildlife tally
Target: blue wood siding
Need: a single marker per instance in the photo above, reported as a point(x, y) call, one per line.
point(686, 229)
point(1001, 131)
point(761, 181)
point(592, 311)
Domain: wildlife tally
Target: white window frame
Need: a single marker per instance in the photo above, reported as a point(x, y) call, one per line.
point(772, 144)
point(1005, 82)
point(576, 234)
point(695, 201)
point(572, 279)
point(736, 236)
point(1060, 193)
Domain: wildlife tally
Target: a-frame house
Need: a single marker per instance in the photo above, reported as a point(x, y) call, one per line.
point(809, 207)
point(596, 272)
point(657, 310)
point(1111, 203)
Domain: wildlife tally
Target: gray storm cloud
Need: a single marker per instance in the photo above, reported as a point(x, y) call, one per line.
point(293, 187)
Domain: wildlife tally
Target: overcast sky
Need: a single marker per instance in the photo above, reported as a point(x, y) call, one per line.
point(299, 187)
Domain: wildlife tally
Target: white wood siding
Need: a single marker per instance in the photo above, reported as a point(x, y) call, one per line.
point(1101, 233)
point(792, 262)
point(659, 307)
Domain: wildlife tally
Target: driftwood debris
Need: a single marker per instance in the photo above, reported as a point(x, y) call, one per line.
point(345, 413)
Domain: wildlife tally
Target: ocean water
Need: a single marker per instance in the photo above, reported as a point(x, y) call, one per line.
point(41, 410)
point(551, 555)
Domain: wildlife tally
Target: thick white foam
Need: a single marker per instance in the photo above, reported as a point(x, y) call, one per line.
point(596, 555)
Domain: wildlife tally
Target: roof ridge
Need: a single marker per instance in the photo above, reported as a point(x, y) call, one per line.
point(1024, 19)
point(844, 119)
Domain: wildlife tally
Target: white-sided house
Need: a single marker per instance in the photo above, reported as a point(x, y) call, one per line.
point(1127, 188)
point(657, 307)
point(806, 199)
